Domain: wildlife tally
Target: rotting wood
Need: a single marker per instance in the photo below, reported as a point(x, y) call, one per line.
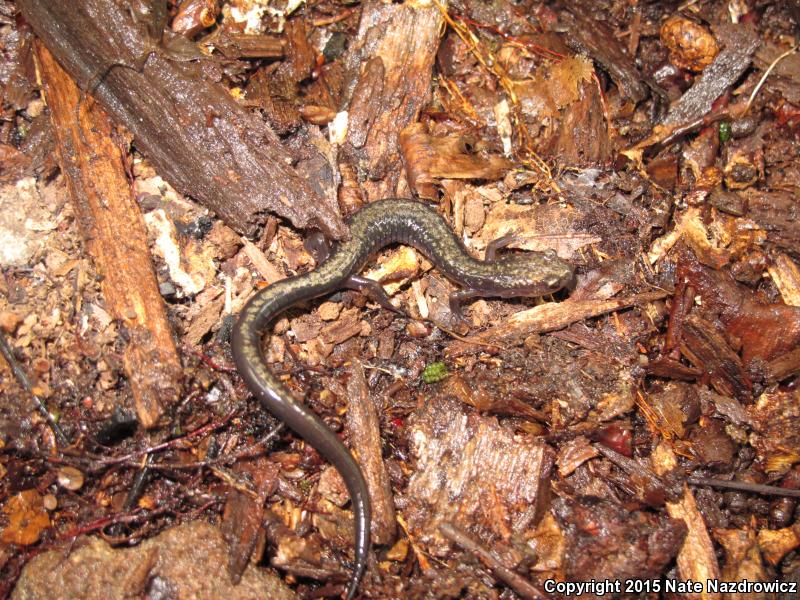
point(250, 46)
point(594, 39)
point(471, 468)
point(697, 560)
point(429, 159)
point(782, 367)
point(706, 348)
point(191, 129)
point(115, 236)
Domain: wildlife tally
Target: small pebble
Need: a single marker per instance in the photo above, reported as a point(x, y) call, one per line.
point(50, 502)
point(70, 478)
point(416, 329)
point(9, 321)
point(328, 311)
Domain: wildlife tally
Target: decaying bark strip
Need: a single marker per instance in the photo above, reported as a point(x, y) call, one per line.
point(550, 316)
point(192, 130)
point(115, 237)
point(243, 518)
point(364, 425)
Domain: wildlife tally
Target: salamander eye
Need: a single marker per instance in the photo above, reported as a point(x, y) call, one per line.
point(550, 254)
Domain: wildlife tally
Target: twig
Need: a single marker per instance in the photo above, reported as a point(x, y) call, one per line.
point(210, 362)
point(205, 429)
point(325, 21)
point(245, 452)
point(744, 486)
point(519, 584)
point(466, 340)
point(134, 493)
point(132, 460)
point(765, 75)
point(106, 521)
point(16, 369)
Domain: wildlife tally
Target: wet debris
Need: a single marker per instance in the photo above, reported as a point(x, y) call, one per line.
point(639, 426)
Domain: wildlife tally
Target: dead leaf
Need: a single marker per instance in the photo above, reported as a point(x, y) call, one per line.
point(27, 518)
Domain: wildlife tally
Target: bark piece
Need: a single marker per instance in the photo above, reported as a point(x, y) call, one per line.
point(397, 45)
point(775, 436)
point(742, 558)
point(607, 540)
point(782, 367)
point(696, 560)
point(708, 350)
point(595, 38)
point(429, 159)
point(548, 317)
point(762, 332)
point(302, 554)
point(364, 426)
point(473, 472)
point(774, 211)
point(786, 275)
point(241, 45)
point(785, 76)
point(712, 446)
point(728, 407)
point(775, 544)
point(192, 130)
point(582, 137)
point(115, 236)
point(740, 45)
point(573, 454)
point(693, 109)
point(241, 521)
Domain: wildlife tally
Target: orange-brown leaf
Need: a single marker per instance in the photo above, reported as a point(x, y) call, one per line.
point(27, 518)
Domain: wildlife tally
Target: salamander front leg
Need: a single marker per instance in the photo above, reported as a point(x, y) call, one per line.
point(373, 290)
point(458, 298)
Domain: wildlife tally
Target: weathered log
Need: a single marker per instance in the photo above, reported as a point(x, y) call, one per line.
point(190, 128)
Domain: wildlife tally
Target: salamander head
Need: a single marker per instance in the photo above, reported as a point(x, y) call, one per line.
point(535, 274)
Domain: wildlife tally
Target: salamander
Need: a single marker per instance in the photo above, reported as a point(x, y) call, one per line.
point(377, 225)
